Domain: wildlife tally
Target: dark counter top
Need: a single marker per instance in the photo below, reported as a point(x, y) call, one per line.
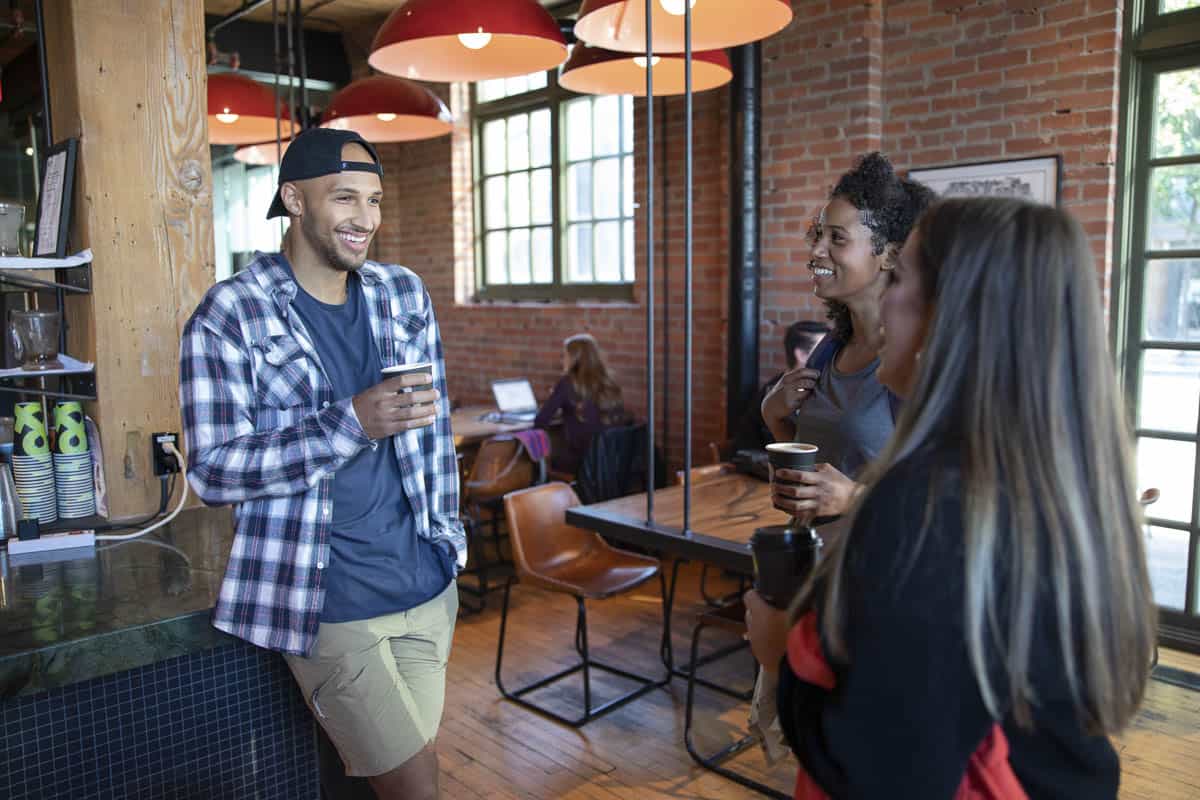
point(120, 606)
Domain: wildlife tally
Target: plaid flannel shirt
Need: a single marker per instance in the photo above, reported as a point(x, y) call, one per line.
point(265, 432)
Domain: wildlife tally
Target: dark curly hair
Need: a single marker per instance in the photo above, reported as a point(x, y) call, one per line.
point(888, 205)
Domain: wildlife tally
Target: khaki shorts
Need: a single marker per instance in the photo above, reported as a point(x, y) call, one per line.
point(377, 685)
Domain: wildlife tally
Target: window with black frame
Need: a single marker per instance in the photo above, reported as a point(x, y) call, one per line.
point(553, 191)
point(1159, 304)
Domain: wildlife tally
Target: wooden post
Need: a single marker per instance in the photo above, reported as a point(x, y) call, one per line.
point(128, 78)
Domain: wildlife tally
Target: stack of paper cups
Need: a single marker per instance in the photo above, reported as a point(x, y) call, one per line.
point(33, 469)
point(72, 463)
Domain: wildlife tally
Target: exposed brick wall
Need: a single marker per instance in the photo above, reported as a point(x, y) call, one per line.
point(985, 80)
point(930, 82)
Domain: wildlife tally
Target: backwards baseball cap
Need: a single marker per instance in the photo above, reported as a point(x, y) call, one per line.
point(317, 152)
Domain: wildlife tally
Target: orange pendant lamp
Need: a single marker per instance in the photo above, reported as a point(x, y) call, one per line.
point(386, 109)
point(594, 70)
point(240, 110)
point(621, 24)
point(467, 40)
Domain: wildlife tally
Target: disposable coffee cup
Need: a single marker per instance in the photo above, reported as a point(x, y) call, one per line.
point(424, 367)
point(783, 557)
point(792, 455)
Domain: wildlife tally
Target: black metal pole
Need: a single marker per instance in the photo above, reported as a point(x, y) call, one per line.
point(278, 64)
point(744, 273)
point(649, 262)
point(41, 34)
point(687, 270)
point(303, 68)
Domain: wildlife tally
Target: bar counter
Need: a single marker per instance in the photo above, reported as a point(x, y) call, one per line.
point(113, 683)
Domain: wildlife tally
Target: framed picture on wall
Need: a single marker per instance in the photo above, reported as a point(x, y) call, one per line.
point(54, 201)
point(1037, 179)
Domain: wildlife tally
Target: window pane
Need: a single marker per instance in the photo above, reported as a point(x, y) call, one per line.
point(579, 191)
point(607, 180)
point(543, 198)
point(1171, 304)
point(1174, 208)
point(628, 265)
point(517, 85)
point(607, 125)
point(537, 80)
point(518, 199)
point(608, 252)
point(496, 257)
point(1169, 399)
point(1167, 6)
point(543, 255)
point(579, 253)
point(493, 147)
point(1169, 467)
point(494, 203)
point(518, 142)
point(627, 124)
point(579, 129)
point(1166, 556)
point(518, 256)
point(627, 186)
point(539, 137)
point(1177, 113)
point(486, 91)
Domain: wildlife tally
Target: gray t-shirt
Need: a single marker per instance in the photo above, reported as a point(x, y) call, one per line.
point(848, 416)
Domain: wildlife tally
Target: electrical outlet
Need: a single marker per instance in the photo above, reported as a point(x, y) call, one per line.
point(164, 463)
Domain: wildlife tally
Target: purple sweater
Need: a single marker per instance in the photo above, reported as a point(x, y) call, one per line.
point(581, 419)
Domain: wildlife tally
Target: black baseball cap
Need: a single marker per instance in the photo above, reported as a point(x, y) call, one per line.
point(317, 152)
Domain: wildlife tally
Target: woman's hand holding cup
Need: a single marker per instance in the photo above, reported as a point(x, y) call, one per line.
point(820, 492)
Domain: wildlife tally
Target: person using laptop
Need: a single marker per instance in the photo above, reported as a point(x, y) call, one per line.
point(587, 397)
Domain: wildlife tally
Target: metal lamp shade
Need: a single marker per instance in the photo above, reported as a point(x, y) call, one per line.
point(240, 110)
point(386, 109)
point(594, 70)
point(621, 24)
point(467, 40)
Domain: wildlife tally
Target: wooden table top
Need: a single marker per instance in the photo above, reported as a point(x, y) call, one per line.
point(725, 511)
point(470, 429)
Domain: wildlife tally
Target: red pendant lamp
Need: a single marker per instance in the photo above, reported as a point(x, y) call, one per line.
point(594, 70)
point(386, 109)
point(240, 110)
point(621, 24)
point(467, 40)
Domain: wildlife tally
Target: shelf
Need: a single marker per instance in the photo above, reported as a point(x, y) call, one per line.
point(71, 274)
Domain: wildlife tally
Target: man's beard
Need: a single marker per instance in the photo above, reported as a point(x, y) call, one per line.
point(327, 247)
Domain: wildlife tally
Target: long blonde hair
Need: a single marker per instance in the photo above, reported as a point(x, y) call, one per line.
point(1016, 377)
point(590, 376)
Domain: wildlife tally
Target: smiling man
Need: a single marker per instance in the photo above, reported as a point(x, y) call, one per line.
point(345, 483)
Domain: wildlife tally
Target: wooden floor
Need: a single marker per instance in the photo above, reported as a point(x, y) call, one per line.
point(491, 748)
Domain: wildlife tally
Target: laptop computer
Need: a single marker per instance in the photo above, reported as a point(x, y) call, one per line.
point(514, 400)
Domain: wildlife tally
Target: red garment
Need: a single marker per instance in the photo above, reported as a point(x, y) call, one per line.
point(989, 776)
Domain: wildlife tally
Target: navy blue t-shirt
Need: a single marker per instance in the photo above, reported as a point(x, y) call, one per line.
point(377, 563)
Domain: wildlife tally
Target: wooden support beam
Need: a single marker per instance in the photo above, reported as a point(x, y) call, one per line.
point(128, 79)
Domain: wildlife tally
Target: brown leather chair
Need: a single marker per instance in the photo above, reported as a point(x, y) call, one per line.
point(550, 554)
point(500, 466)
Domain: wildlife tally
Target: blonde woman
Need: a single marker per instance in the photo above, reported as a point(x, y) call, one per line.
point(587, 397)
point(989, 613)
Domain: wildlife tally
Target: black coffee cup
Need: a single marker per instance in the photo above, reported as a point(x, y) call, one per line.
point(792, 455)
point(424, 368)
point(783, 557)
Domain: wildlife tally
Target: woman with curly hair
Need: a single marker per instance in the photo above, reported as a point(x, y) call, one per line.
point(841, 406)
